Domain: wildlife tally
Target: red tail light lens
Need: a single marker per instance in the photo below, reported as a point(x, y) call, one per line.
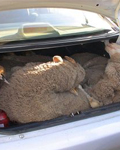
point(4, 120)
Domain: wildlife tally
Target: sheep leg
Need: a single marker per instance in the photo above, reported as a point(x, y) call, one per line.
point(93, 103)
point(4, 79)
point(74, 91)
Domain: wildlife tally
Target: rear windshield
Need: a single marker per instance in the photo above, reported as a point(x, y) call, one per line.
point(41, 23)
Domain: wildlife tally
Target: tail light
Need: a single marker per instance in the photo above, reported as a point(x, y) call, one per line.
point(4, 120)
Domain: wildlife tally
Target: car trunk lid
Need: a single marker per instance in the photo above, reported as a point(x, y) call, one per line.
point(108, 8)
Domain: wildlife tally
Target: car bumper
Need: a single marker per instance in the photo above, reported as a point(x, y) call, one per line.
point(97, 133)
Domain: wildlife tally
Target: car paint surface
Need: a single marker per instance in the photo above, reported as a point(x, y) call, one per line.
point(104, 7)
point(96, 133)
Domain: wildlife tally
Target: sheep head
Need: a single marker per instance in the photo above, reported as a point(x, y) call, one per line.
point(58, 59)
point(70, 72)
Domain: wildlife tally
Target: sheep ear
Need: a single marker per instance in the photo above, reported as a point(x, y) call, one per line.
point(70, 60)
point(2, 70)
point(57, 59)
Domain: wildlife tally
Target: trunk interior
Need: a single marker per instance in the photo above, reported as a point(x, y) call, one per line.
point(94, 47)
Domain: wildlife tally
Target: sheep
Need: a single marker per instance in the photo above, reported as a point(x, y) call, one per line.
point(83, 58)
point(94, 66)
point(102, 75)
point(26, 59)
point(108, 88)
point(39, 92)
point(13, 60)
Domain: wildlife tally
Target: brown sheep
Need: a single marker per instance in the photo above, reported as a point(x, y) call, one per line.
point(83, 58)
point(94, 66)
point(39, 92)
point(108, 88)
point(11, 61)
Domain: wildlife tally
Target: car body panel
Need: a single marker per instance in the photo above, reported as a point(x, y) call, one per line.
point(96, 133)
point(104, 7)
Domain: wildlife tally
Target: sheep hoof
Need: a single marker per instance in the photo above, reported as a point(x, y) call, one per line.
point(73, 91)
point(94, 103)
point(2, 77)
point(6, 81)
point(72, 115)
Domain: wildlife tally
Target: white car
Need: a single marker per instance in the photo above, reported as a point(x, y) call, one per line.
point(61, 27)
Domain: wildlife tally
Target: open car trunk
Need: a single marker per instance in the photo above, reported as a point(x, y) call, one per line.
point(98, 48)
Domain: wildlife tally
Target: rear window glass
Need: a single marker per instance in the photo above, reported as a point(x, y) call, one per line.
point(41, 23)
